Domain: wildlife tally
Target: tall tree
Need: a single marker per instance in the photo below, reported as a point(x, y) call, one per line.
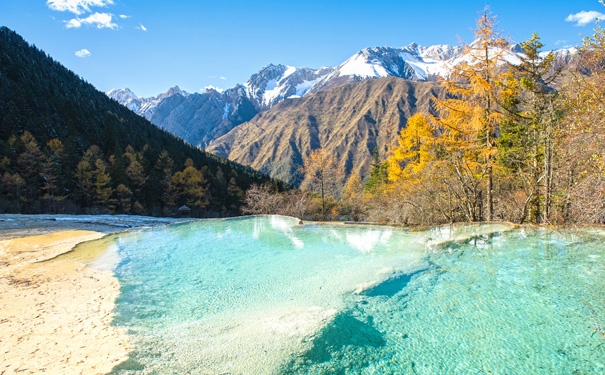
point(414, 150)
point(52, 171)
point(531, 140)
point(378, 175)
point(165, 167)
point(582, 140)
point(321, 175)
point(30, 163)
point(471, 115)
point(136, 172)
point(102, 183)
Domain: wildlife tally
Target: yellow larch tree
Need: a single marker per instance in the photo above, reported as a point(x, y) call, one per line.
point(413, 152)
point(470, 116)
point(581, 142)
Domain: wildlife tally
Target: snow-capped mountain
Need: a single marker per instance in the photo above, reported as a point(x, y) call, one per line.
point(274, 83)
point(202, 117)
point(143, 106)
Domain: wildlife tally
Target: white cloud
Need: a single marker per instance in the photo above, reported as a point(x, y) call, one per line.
point(73, 24)
point(77, 7)
point(223, 78)
point(583, 18)
point(141, 27)
point(123, 16)
point(99, 20)
point(83, 53)
point(210, 87)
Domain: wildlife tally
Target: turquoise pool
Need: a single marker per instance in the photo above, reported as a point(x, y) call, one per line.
point(263, 295)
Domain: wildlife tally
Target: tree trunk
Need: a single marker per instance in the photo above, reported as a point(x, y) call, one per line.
point(490, 198)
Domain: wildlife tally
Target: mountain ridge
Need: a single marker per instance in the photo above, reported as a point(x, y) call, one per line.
point(349, 121)
point(200, 118)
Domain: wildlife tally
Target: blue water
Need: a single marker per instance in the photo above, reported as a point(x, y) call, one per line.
point(263, 295)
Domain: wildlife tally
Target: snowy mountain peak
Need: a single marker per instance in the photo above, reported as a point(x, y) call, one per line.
point(274, 83)
point(143, 106)
point(440, 52)
point(125, 97)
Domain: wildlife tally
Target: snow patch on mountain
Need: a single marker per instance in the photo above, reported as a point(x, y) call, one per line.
point(275, 83)
point(226, 111)
point(142, 106)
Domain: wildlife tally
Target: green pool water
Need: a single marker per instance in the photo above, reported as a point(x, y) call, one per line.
point(263, 295)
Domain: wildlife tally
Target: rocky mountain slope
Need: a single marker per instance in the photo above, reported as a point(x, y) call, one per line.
point(348, 120)
point(201, 117)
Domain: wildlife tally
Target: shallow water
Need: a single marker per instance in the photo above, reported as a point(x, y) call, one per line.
point(263, 295)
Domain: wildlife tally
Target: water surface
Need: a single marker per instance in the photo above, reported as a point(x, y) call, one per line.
point(262, 295)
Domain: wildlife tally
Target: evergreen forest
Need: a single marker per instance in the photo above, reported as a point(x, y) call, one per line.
point(65, 147)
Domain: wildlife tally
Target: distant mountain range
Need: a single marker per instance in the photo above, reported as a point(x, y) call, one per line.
point(200, 118)
point(282, 112)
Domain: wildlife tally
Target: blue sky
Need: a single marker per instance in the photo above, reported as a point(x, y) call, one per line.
point(152, 45)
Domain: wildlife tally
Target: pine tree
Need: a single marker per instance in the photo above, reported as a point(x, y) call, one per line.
point(536, 75)
point(136, 172)
point(378, 175)
point(124, 196)
point(235, 194)
point(165, 167)
point(102, 184)
point(85, 181)
point(29, 163)
point(53, 186)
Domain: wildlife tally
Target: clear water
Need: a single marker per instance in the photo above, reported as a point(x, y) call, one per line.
point(263, 295)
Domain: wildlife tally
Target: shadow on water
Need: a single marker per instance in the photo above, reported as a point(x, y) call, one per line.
point(345, 343)
point(393, 285)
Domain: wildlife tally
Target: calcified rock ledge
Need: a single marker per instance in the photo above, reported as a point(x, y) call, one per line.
point(55, 316)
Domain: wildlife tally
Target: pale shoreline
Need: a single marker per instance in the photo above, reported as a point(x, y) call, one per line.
point(55, 316)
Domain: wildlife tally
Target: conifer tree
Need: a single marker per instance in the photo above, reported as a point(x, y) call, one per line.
point(191, 185)
point(53, 186)
point(30, 163)
point(102, 181)
point(378, 174)
point(528, 140)
point(136, 171)
point(469, 118)
point(165, 167)
point(85, 181)
point(124, 196)
point(414, 150)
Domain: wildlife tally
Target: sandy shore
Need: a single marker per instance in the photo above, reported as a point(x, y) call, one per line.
point(55, 316)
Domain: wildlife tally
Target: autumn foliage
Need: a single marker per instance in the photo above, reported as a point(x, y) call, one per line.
point(514, 139)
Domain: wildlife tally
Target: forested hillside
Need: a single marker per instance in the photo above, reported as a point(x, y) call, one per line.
point(67, 147)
